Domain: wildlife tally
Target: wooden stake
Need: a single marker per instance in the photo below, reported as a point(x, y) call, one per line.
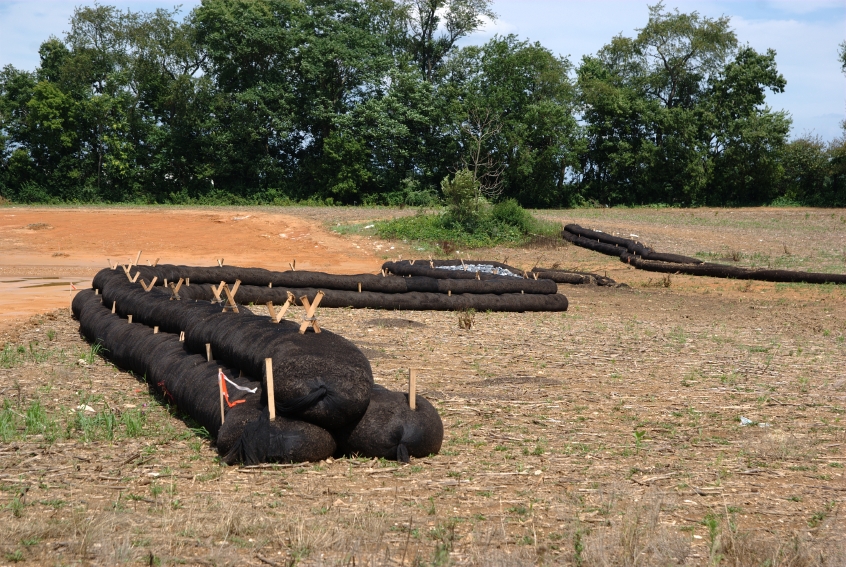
point(96, 291)
point(412, 388)
point(449, 293)
point(165, 282)
point(270, 284)
point(208, 352)
point(181, 336)
point(129, 319)
point(156, 330)
point(220, 262)
point(276, 317)
point(271, 400)
point(188, 282)
point(220, 391)
point(359, 287)
point(411, 262)
point(216, 291)
point(463, 265)
point(109, 260)
point(535, 274)
point(309, 320)
point(174, 290)
point(156, 262)
point(152, 283)
point(230, 296)
point(138, 257)
point(135, 279)
point(477, 275)
point(293, 265)
point(114, 306)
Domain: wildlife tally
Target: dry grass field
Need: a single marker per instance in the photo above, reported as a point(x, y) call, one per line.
point(689, 421)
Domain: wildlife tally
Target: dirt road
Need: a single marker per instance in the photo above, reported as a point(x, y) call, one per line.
point(44, 250)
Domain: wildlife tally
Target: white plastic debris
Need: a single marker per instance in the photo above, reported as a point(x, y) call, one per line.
point(370, 226)
point(744, 421)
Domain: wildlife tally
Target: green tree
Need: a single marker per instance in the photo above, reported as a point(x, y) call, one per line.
point(424, 18)
point(676, 115)
point(516, 122)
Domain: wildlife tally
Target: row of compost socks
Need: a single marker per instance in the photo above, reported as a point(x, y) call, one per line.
point(642, 257)
point(325, 398)
point(429, 289)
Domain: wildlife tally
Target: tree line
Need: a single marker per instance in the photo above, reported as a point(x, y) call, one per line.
point(378, 101)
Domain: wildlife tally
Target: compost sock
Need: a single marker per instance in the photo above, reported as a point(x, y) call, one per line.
point(422, 287)
point(644, 258)
point(322, 387)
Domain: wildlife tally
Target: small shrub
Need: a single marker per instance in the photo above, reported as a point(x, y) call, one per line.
point(510, 213)
point(461, 194)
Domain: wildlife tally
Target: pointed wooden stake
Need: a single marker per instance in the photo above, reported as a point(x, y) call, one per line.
point(188, 282)
point(535, 274)
point(412, 388)
point(359, 287)
point(138, 257)
point(478, 277)
point(114, 306)
point(181, 336)
point(271, 399)
point(156, 330)
point(129, 319)
point(156, 262)
point(110, 264)
point(220, 262)
point(96, 291)
point(293, 265)
point(208, 352)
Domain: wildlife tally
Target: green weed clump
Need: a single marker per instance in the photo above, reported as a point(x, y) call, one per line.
point(469, 220)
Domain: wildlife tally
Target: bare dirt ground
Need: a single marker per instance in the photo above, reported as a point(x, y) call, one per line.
point(607, 435)
point(43, 249)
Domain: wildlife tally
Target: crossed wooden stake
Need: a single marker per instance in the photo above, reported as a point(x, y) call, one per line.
point(309, 320)
point(174, 289)
point(230, 304)
point(152, 283)
point(127, 269)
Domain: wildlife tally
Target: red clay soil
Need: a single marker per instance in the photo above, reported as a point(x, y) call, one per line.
point(44, 250)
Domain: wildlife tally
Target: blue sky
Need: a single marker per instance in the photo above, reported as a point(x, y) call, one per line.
point(804, 33)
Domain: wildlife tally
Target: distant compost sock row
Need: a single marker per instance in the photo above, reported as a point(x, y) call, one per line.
point(434, 290)
point(644, 258)
point(325, 398)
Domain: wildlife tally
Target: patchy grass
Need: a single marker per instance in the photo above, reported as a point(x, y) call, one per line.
point(608, 435)
point(489, 229)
